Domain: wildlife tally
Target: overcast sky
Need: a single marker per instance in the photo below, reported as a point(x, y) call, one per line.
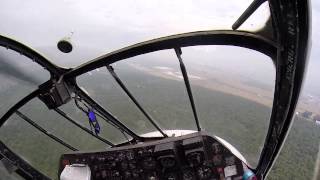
point(103, 26)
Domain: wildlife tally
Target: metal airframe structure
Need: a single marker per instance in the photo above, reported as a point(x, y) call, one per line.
point(287, 47)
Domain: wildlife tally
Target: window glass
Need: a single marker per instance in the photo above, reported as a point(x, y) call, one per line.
point(153, 92)
point(233, 94)
point(233, 89)
point(19, 76)
point(97, 27)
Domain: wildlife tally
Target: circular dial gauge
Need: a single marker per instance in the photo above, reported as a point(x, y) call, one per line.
point(188, 175)
point(149, 163)
point(195, 158)
point(167, 162)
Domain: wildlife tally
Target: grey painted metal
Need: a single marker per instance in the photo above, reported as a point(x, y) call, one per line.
point(188, 87)
point(55, 138)
point(67, 117)
point(214, 37)
point(134, 100)
point(247, 13)
point(106, 113)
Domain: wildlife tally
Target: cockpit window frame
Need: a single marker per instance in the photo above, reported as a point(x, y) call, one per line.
point(288, 49)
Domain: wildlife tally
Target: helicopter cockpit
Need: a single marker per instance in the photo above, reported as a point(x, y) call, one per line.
point(166, 145)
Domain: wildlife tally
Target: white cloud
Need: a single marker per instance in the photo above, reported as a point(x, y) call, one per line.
point(109, 25)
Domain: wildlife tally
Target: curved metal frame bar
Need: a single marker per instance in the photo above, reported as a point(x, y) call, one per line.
point(292, 33)
point(17, 106)
point(32, 54)
point(215, 37)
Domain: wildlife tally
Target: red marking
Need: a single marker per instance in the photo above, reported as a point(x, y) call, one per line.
point(65, 162)
point(220, 170)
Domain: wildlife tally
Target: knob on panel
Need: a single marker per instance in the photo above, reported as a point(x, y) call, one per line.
point(151, 176)
point(204, 172)
point(195, 158)
point(188, 174)
point(171, 176)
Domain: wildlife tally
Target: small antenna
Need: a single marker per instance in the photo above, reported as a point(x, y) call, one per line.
point(247, 13)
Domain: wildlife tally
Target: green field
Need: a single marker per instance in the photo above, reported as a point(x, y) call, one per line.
point(241, 122)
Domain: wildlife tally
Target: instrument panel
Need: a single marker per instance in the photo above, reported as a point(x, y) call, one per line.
point(190, 157)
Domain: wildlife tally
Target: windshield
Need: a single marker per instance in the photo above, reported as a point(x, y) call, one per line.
point(98, 27)
point(232, 86)
point(231, 98)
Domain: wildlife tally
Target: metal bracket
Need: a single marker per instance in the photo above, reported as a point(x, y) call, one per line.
point(55, 93)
